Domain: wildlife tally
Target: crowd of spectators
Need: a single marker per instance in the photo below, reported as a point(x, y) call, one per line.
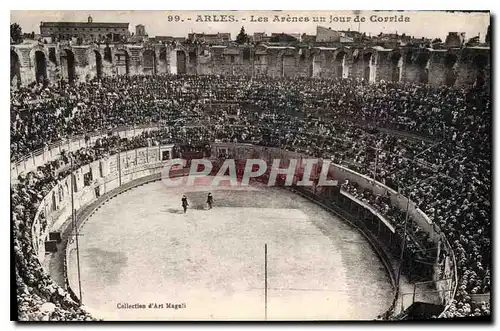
point(432, 144)
point(35, 288)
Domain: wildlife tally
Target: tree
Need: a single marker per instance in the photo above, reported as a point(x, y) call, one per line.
point(488, 35)
point(16, 33)
point(242, 37)
point(437, 40)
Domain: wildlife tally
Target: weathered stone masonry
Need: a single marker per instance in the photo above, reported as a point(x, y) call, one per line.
point(52, 62)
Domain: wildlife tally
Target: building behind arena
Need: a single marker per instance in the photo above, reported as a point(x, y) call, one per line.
point(389, 111)
point(83, 50)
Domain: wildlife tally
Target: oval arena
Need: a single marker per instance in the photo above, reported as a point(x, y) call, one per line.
point(405, 233)
point(213, 261)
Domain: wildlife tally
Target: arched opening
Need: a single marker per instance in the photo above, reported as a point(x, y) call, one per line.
point(287, 61)
point(317, 63)
point(422, 63)
point(149, 59)
point(480, 62)
point(356, 57)
point(40, 67)
point(396, 66)
point(367, 63)
point(15, 69)
point(339, 65)
point(127, 64)
point(122, 62)
point(246, 56)
point(52, 55)
point(107, 54)
point(98, 64)
point(68, 63)
point(450, 75)
point(163, 54)
point(193, 60)
point(181, 62)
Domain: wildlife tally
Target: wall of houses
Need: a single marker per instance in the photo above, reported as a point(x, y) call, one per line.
point(455, 66)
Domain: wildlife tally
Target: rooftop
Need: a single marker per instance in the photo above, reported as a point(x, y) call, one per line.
point(84, 25)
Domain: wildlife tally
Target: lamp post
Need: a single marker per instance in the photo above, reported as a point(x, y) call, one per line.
point(75, 229)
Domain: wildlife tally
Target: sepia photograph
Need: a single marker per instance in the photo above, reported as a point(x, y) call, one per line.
point(250, 165)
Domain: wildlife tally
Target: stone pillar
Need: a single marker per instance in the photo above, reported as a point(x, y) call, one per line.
point(78, 179)
point(172, 56)
point(437, 69)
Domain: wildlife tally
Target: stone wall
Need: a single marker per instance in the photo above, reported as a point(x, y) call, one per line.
point(459, 67)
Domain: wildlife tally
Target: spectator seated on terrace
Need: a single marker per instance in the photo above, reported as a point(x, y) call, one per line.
point(444, 165)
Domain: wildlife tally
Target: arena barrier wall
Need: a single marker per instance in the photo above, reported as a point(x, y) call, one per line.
point(114, 171)
point(56, 206)
point(445, 273)
point(41, 156)
point(371, 238)
point(373, 226)
point(89, 182)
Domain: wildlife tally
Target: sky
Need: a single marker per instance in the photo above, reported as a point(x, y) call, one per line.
point(430, 24)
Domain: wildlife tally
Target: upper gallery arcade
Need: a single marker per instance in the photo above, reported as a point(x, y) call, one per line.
point(458, 66)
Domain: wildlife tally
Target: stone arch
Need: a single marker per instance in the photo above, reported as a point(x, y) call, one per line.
point(421, 61)
point(122, 64)
point(98, 63)
point(259, 60)
point(162, 55)
point(38, 60)
point(355, 56)
point(288, 60)
point(35, 49)
point(40, 67)
point(193, 57)
point(303, 54)
point(480, 62)
point(317, 60)
point(53, 55)
point(246, 55)
point(18, 53)
point(181, 61)
point(396, 61)
point(15, 68)
point(95, 55)
point(149, 61)
point(68, 64)
point(108, 54)
point(368, 64)
point(339, 64)
point(450, 66)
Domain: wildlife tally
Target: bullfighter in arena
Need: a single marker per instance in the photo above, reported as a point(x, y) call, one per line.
point(210, 200)
point(185, 203)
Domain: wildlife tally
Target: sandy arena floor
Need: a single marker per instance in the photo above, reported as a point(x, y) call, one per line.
point(139, 248)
